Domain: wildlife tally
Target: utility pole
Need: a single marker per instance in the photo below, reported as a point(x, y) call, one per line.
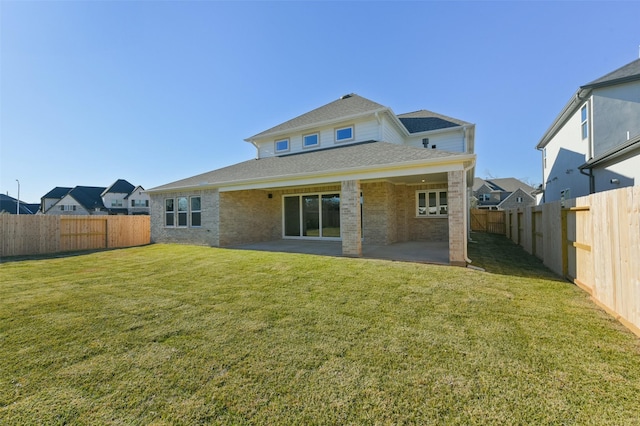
point(18, 203)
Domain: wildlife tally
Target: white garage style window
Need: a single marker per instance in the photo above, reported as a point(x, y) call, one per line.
point(431, 203)
point(188, 212)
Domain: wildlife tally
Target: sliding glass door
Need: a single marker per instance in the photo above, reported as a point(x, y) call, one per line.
point(312, 216)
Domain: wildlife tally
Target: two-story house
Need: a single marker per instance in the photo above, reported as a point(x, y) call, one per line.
point(502, 193)
point(351, 170)
point(593, 145)
point(119, 198)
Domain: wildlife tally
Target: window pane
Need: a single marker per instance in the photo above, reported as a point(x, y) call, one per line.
point(182, 219)
point(422, 204)
point(292, 216)
point(433, 209)
point(585, 130)
point(331, 215)
point(310, 216)
point(584, 113)
point(168, 219)
point(195, 219)
point(168, 204)
point(310, 140)
point(443, 202)
point(182, 204)
point(346, 133)
point(282, 145)
point(195, 203)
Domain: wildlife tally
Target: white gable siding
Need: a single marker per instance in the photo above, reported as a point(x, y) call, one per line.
point(364, 130)
point(626, 172)
point(58, 209)
point(565, 152)
point(114, 200)
point(452, 141)
point(390, 132)
point(616, 111)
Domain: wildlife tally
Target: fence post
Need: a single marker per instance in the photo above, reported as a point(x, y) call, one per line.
point(565, 252)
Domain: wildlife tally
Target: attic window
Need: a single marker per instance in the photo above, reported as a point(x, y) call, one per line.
point(282, 145)
point(310, 140)
point(344, 134)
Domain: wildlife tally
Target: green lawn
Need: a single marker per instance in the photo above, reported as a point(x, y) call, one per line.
point(170, 334)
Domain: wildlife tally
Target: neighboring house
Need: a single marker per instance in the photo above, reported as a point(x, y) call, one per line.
point(119, 198)
point(10, 205)
point(594, 143)
point(502, 194)
point(351, 171)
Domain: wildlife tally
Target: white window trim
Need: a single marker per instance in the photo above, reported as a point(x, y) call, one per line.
point(175, 213)
point(172, 212)
point(353, 133)
point(317, 135)
point(427, 192)
point(584, 122)
point(275, 145)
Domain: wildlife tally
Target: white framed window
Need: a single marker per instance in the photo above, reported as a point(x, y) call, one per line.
point(431, 203)
point(518, 199)
point(344, 134)
point(485, 197)
point(282, 145)
point(169, 212)
point(139, 203)
point(187, 209)
point(196, 212)
point(584, 121)
point(544, 157)
point(310, 140)
point(68, 208)
point(116, 203)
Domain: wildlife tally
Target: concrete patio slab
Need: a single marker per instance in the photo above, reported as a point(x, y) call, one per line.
point(410, 251)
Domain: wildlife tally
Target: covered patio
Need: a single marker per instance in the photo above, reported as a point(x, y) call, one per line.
point(436, 252)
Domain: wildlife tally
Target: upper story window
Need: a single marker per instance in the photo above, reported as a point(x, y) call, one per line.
point(139, 203)
point(431, 203)
point(116, 203)
point(485, 197)
point(518, 199)
point(584, 120)
point(282, 145)
point(310, 140)
point(344, 134)
point(544, 157)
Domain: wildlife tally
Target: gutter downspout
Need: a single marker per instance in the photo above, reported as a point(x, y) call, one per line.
point(592, 181)
point(468, 213)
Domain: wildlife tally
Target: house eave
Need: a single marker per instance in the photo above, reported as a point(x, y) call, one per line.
point(436, 165)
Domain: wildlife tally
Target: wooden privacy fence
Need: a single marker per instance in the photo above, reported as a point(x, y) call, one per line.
point(593, 241)
point(491, 221)
point(41, 234)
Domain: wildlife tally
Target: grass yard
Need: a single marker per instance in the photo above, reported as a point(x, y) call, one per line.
point(171, 334)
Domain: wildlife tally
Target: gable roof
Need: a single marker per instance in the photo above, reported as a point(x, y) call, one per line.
point(627, 73)
point(347, 107)
point(120, 186)
point(89, 197)
point(57, 192)
point(502, 185)
point(353, 158)
point(424, 121)
point(9, 204)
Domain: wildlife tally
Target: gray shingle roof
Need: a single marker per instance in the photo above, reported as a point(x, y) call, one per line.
point(120, 186)
point(423, 121)
point(354, 156)
point(57, 192)
point(347, 106)
point(88, 196)
point(628, 72)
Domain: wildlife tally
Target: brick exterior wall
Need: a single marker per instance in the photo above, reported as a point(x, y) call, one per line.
point(457, 214)
point(350, 218)
point(207, 234)
point(250, 216)
point(379, 213)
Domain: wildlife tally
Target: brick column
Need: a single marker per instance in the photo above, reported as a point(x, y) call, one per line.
point(350, 220)
point(456, 206)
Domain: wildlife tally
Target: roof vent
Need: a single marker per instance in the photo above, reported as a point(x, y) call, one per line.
point(346, 96)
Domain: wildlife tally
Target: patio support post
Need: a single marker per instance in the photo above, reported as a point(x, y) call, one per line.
point(456, 214)
point(350, 218)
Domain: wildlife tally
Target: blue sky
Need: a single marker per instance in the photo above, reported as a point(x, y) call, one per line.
point(152, 92)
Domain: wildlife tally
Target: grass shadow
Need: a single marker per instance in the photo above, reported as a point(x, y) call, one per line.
point(499, 255)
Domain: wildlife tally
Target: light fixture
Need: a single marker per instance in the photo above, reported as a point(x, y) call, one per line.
point(615, 181)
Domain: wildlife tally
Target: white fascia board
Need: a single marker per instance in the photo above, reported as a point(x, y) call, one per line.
point(576, 101)
point(252, 140)
point(441, 165)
